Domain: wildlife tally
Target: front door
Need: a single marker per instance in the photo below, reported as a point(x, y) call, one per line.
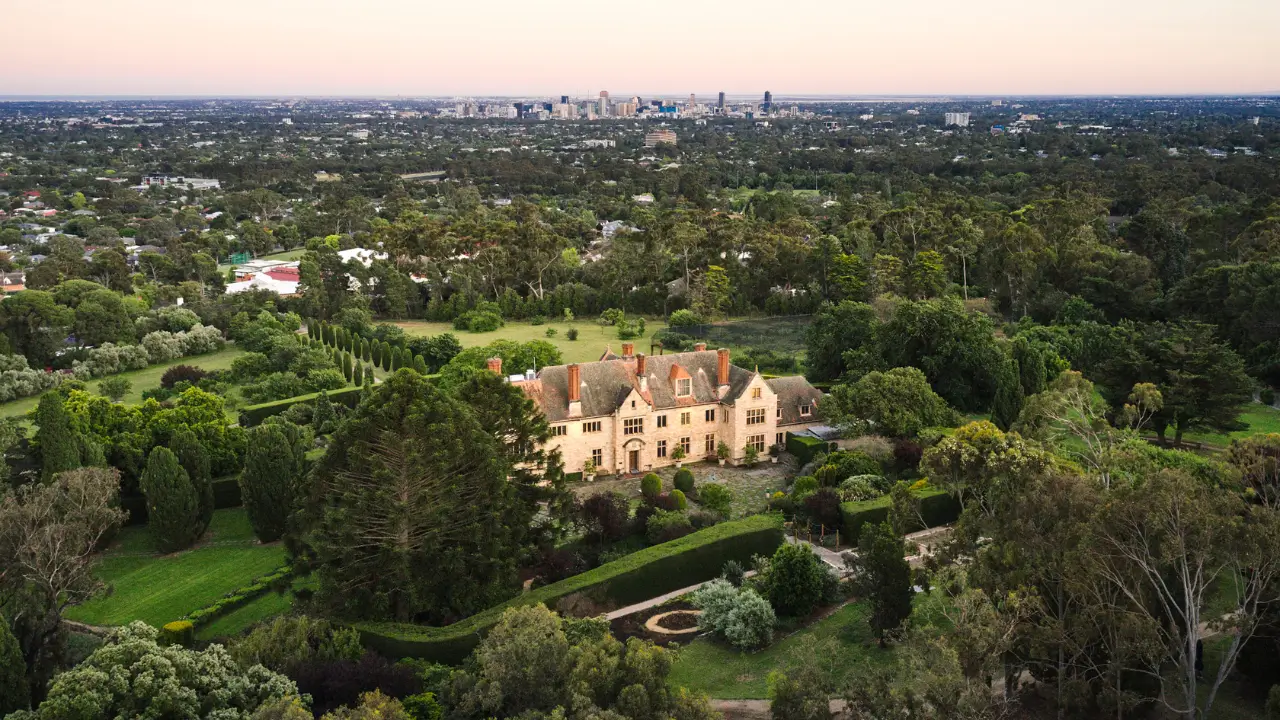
point(634, 460)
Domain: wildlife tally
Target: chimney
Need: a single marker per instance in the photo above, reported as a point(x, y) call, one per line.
point(640, 373)
point(722, 367)
point(700, 347)
point(628, 349)
point(495, 365)
point(575, 390)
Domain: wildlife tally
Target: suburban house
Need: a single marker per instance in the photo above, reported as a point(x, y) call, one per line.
point(628, 413)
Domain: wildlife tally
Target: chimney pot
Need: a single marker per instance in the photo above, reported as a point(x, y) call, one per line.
point(495, 365)
point(722, 366)
point(575, 380)
point(640, 364)
point(628, 349)
point(699, 347)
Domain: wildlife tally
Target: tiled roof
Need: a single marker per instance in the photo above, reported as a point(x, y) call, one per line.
point(794, 391)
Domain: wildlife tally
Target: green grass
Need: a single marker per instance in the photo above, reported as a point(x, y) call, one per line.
point(147, 378)
point(589, 346)
point(246, 616)
point(143, 585)
point(295, 254)
point(1258, 418)
point(836, 645)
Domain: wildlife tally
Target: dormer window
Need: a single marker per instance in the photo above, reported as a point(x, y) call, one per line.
point(684, 387)
point(806, 410)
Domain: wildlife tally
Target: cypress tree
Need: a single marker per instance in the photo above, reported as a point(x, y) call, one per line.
point(327, 334)
point(267, 481)
point(420, 364)
point(1007, 404)
point(885, 578)
point(346, 366)
point(368, 378)
point(364, 349)
point(173, 506)
point(336, 355)
point(323, 417)
point(375, 351)
point(406, 358)
point(59, 448)
point(195, 460)
point(14, 694)
point(387, 353)
point(357, 377)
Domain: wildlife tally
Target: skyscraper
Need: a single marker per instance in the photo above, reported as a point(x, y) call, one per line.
point(768, 101)
point(564, 99)
point(720, 102)
point(604, 103)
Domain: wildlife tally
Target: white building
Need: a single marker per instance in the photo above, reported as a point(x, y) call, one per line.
point(958, 119)
point(193, 183)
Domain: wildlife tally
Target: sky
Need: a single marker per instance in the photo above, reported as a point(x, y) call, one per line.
point(673, 47)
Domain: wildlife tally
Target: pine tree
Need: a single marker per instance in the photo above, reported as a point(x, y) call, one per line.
point(420, 364)
point(883, 577)
point(357, 377)
point(267, 481)
point(173, 505)
point(13, 673)
point(323, 416)
point(59, 449)
point(346, 366)
point(195, 460)
point(1007, 404)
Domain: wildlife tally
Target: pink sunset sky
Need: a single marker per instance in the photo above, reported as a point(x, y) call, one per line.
point(578, 47)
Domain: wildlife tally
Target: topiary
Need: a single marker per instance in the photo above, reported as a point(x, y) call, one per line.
point(679, 500)
point(178, 632)
point(684, 481)
point(651, 486)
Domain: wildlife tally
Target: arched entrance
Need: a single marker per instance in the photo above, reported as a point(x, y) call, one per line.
point(633, 456)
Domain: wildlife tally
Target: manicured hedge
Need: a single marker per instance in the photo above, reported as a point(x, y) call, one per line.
point(236, 598)
point(255, 414)
point(637, 577)
point(804, 447)
point(937, 506)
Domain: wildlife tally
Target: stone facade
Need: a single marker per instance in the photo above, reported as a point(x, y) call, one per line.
point(628, 413)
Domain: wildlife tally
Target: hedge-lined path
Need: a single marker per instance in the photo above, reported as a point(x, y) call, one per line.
point(655, 602)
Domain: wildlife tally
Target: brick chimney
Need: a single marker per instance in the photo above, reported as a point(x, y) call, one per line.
point(575, 389)
point(722, 370)
point(640, 373)
point(700, 347)
point(628, 349)
point(495, 365)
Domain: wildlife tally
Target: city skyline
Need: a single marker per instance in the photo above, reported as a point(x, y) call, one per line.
point(393, 48)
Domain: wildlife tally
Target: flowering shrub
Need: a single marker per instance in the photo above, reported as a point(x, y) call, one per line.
point(17, 380)
point(109, 359)
point(740, 616)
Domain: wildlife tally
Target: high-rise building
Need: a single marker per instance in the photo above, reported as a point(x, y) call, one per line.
point(693, 101)
point(564, 99)
point(768, 101)
point(958, 119)
point(604, 103)
point(656, 137)
point(720, 101)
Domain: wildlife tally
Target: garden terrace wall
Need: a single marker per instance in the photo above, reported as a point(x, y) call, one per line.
point(637, 577)
point(937, 507)
point(255, 414)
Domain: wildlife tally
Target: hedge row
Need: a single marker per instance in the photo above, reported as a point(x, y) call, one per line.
point(236, 598)
point(255, 414)
point(804, 448)
point(937, 507)
point(637, 577)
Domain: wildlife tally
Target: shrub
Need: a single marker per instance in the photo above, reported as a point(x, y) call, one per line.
point(860, 487)
point(794, 583)
point(571, 333)
point(114, 388)
point(679, 500)
point(551, 332)
point(14, 694)
point(875, 447)
point(823, 507)
point(850, 463)
point(162, 346)
point(750, 623)
point(109, 359)
point(201, 339)
point(1267, 396)
point(249, 366)
point(803, 485)
point(828, 475)
point(538, 320)
point(606, 515)
point(750, 454)
point(478, 322)
point(336, 683)
point(288, 642)
point(17, 380)
point(907, 454)
point(683, 318)
point(663, 501)
point(701, 519)
point(178, 632)
point(651, 486)
point(734, 572)
point(717, 498)
point(684, 481)
point(192, 374)
point(716, 600)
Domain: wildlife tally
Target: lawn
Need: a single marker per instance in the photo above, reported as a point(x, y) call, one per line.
point(1258, 418)
point(836, 645)
point(589, 346)
point(143, 585)
point(147, 378)
point(246, 616)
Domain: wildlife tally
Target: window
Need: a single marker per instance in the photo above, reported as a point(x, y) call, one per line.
point(558, 430)
point(756, 393)
point(662, 448)
point(711, 415)
point(685, 445)
point(662, 421)
point(684, 387)
point(756, 441)
point(589, 427)
point(779, 412)
point(806, 410)
point(780, 439)
point(684, 418)
point(711, 443)
point(633, 404)
point(597, 457)
point(633, 426)
point(755, 417)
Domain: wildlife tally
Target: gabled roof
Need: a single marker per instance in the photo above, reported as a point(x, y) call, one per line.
point(794, 391)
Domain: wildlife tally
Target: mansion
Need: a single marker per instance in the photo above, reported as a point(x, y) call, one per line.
point(628, 413)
